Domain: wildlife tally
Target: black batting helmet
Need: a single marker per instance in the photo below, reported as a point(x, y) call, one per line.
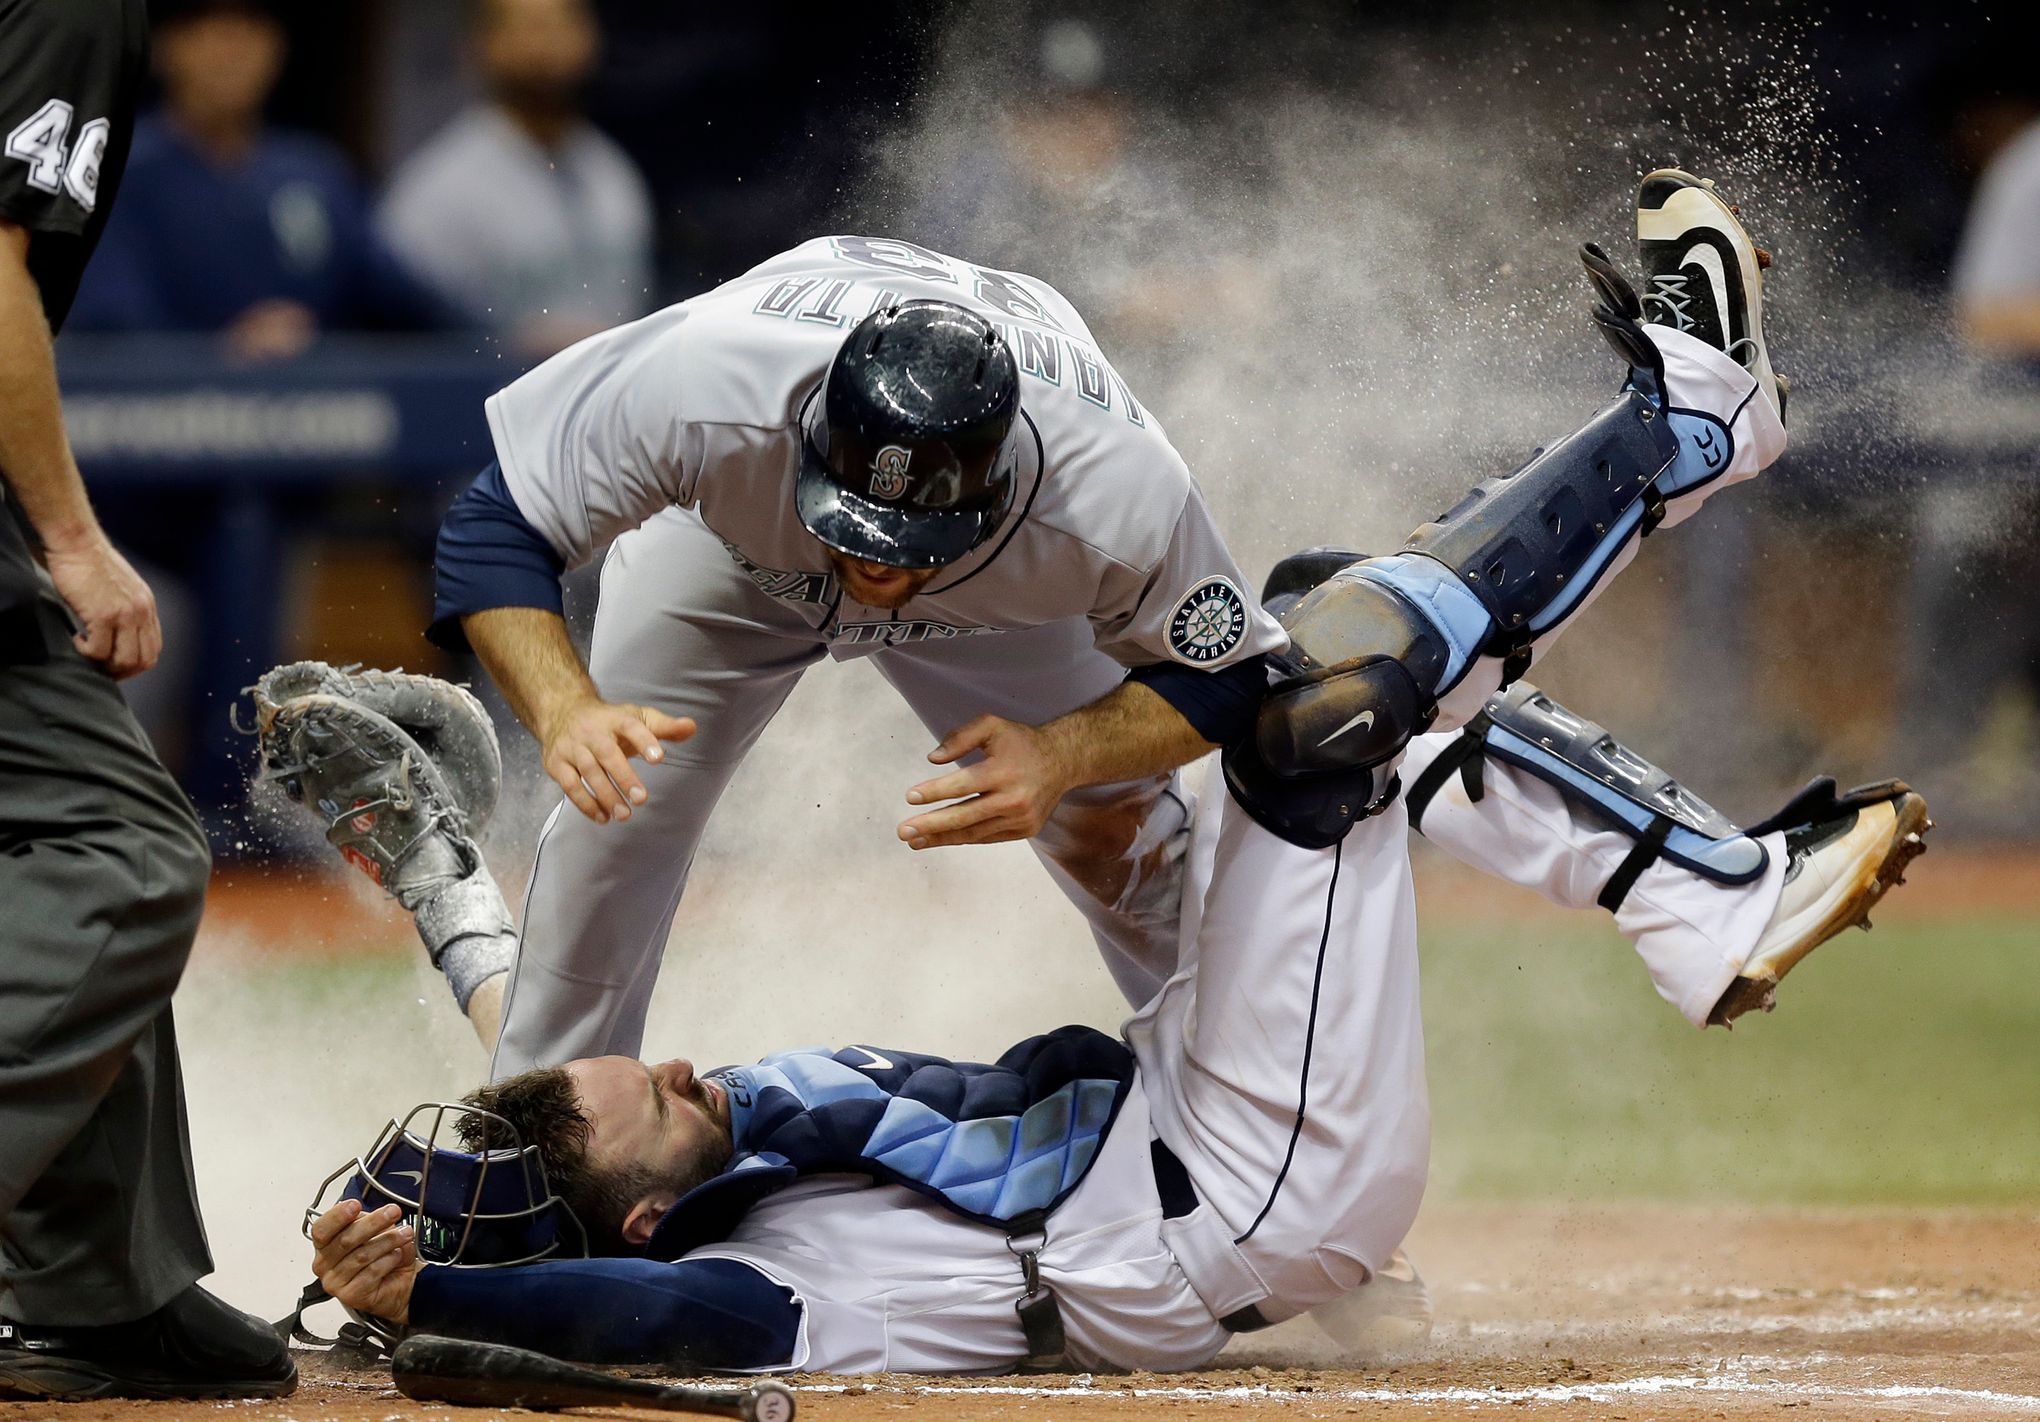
point(912, 462)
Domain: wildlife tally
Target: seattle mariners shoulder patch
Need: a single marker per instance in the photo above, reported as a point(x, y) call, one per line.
point(1208, 623)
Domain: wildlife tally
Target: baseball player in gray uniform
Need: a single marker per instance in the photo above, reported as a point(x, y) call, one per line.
point(860, 448)
point(1255, 1144)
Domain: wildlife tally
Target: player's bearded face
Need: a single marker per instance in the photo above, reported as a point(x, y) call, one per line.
point(660, 1119)
point(878, 584)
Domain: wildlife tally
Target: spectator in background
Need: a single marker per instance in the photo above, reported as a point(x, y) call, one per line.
point(520, 210)
point(1997, 270)
point(226, 225)
point(1972, 694)
point(1067, 188)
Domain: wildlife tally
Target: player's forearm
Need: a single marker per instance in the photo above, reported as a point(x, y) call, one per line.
point(1128, 734)
point(35, 457)
point(528, 652)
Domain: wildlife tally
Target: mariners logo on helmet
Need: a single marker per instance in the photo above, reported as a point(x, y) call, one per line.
point(889, 472)
point(1209, 622)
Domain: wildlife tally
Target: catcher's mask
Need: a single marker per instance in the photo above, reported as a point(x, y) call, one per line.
point(470, 1209)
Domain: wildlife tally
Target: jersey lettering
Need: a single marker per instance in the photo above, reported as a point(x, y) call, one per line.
point(814, 588)
point(38, 141)
point(1091, 383)
point(785, 295)
point(895, 634)
point(81, 174)
point(894, 254)
point(823, 308)
point(1040, 355)
point(1017, 312)
point(1004, 292)
point(1133, 411)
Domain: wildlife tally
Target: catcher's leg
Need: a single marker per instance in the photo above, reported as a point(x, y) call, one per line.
point(1284, 1062)
point(681, 627)
point(1565, 810)
point(1115, 850)
point(1391, 647)
point(1533, 794)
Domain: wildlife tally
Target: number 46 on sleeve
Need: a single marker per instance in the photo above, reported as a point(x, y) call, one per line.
point(39, 141)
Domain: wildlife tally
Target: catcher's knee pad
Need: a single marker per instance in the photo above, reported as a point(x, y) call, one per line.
point(1523, 727)
point(1368, 645)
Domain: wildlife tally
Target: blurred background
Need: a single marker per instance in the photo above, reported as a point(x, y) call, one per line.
point(1329, 244)
point(1331, 247)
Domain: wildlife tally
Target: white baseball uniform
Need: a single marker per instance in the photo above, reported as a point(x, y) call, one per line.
point(678, 436)
point(1282, 1063)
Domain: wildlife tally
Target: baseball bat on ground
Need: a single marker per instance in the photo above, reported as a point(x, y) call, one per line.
point(472, 1374)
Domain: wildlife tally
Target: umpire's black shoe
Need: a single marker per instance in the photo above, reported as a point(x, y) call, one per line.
point(195, 1346)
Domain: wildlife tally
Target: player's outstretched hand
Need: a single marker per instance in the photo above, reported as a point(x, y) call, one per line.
point(115, 609)
point(1008, 795)
point(588, 749)
point(368, 1262)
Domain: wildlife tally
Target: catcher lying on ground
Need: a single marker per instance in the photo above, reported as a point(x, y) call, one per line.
point(1255, 1144)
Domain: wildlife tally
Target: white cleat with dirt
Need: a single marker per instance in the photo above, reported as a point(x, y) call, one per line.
point(1845, 851)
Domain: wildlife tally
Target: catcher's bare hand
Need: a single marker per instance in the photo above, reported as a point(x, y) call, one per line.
point(368, 1262)
point(1008, 795)
point(588, 749)
point(115, 607)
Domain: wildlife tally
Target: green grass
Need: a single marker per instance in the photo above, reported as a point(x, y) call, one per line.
point(1901, 1067)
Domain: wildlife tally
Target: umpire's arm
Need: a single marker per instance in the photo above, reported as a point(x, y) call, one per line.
point(114, 606)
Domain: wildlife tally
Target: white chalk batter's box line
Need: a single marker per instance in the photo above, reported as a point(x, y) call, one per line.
point(2015, 1404)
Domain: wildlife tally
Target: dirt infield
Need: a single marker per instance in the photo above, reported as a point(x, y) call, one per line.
point(1627, 1312)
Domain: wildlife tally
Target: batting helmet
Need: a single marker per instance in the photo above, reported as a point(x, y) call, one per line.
point(912, 460)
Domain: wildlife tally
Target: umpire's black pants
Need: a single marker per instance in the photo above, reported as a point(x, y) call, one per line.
point(102, 876)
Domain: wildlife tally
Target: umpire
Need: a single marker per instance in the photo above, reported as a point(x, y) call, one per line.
point(102, 862)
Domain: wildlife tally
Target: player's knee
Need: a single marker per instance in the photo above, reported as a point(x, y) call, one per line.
point(1370, 651)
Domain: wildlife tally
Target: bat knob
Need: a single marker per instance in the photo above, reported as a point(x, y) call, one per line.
point(769, 1402)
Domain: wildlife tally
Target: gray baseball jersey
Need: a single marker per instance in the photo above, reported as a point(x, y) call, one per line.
point(701, 406)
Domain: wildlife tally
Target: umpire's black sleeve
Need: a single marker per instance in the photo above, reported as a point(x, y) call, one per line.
point(69, 73)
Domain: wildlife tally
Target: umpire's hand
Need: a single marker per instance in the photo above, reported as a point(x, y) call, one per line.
point(368, 1262)
point(114, 607)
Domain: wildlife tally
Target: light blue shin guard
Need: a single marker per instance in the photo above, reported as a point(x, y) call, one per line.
point(1523, 727)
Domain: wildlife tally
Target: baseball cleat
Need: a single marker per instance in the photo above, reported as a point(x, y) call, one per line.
point(1843, 854)
point(1702, 273)
point(1387, 1316)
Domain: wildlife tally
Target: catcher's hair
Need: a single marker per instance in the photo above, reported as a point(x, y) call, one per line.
point(546, 1109)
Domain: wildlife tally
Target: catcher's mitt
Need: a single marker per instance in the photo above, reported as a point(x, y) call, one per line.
point(385, 759)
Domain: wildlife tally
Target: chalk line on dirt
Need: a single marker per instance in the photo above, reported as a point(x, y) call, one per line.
point(2017, 1403)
